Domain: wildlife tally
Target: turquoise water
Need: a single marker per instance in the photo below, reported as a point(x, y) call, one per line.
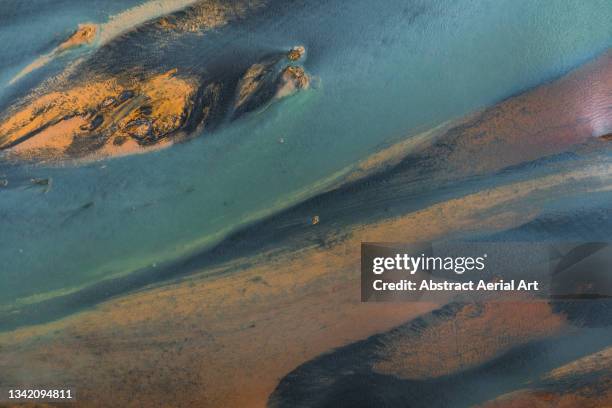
point(385, 73)
point(29, 29)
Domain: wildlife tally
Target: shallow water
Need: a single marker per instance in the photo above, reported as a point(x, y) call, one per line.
point(384, 75)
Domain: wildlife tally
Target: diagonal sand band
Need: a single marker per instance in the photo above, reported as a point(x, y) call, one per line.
point(207, 14)
point(227, 341)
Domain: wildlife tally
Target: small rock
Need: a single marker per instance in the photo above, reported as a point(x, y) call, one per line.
point(296, 53)
point(297, 75)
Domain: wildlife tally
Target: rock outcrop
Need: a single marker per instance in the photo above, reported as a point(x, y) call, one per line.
point(132, 113)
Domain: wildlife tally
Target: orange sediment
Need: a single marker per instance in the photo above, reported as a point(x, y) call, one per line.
point(50, 124)
point(460, 342)
point(85, 34)
point(227, 340)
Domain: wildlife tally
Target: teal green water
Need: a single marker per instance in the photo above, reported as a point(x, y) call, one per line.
point(32, 28)
point(384, 73)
